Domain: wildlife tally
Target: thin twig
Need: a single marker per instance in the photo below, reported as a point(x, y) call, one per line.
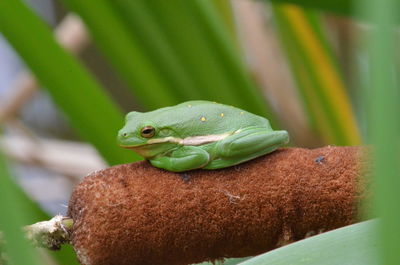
point(63, 157)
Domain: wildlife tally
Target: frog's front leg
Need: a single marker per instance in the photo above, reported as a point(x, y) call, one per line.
point(182, 159)
point(247, 144)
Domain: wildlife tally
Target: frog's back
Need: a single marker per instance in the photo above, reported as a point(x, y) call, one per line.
point(204, 117)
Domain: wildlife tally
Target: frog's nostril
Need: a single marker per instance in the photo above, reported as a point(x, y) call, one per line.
point(123, 134)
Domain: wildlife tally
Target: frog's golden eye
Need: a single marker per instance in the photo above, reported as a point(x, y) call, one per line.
point(147, 132)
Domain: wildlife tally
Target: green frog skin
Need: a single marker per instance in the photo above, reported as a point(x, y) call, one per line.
point(199, 134)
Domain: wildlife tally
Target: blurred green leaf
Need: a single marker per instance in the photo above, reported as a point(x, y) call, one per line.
point(355, 244)
point(383, 108)
point(315, 69)
point(341, 7)
point(212, 26)
point(24, 211)
point(89, 109)
point(192, 48)
point(121, 49)
point(19, 210)
point(14, 213)
point(170, 51)
point(152, 43)
point(224, 8)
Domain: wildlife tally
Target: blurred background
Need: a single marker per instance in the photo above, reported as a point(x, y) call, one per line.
point(70, 70)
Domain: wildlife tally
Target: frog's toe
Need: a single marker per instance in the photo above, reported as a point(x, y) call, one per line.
point(281, 137)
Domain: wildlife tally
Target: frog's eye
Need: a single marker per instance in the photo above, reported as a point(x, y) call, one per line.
point(147, 132)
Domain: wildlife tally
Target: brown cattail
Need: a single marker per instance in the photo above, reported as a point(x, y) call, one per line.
point(138, 214)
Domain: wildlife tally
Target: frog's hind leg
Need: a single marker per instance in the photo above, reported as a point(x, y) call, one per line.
point(246, 145)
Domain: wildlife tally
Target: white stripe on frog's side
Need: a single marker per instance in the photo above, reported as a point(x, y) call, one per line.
point(203, 139)
point(192, 140)
point(168, 139)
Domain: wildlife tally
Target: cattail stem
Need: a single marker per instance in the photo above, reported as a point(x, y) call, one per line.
point(138, 214)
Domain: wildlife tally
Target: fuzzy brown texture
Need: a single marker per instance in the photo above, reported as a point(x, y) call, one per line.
point(138, 214)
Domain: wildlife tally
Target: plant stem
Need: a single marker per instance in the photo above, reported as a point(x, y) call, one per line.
point(50, 234)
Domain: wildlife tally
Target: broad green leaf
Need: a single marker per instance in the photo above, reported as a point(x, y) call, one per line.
point(89, 109)
point(315, 69)
point(351, 245)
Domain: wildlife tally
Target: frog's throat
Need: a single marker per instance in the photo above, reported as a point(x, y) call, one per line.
point(192, 140)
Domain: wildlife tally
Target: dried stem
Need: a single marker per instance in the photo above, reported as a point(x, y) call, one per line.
point(50, 234)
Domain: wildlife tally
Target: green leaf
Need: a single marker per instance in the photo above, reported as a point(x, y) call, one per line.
point(319, 80)
point(341, 7)
point(355, 244)
point(224, 8)
point(383, 108)
point(161, 54)
point(211, 25)
point(169, 51)
point(123, 51)
point(199, 40)
point(19, 210)
point(182, 32)
point(14, 213)
point(89, 109)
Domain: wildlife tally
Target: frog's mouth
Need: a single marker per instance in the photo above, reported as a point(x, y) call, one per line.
point(151, 150)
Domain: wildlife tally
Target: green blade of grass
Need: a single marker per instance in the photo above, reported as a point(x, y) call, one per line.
point(154, 46)
point(162, 52)
point(315, 69)
point(355, 244)
point(89, 109)
point(197, 36)
point(114, 39)
point(224, 48)
point(190, 46)
point(224, 8)
point(341, 7)
point(195, 29)
point(382, 97)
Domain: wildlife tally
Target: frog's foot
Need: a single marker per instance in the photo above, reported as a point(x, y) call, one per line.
point(246, 145)
point(183, 159)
